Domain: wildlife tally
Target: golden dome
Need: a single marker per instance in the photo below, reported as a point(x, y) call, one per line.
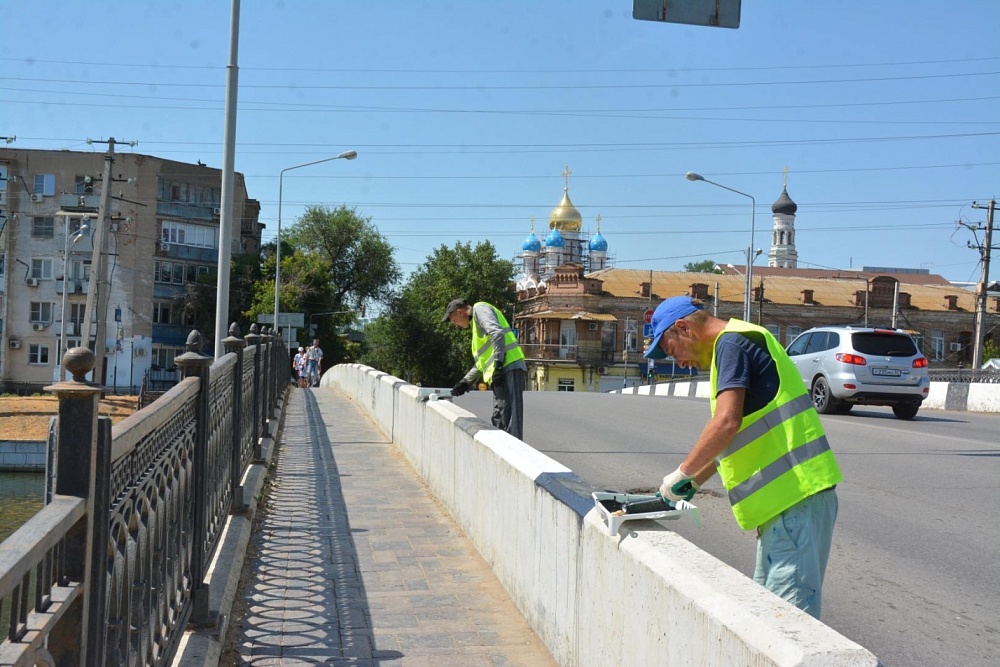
point(565, 217)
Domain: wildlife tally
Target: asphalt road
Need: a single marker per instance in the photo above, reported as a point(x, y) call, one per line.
point(915, 571)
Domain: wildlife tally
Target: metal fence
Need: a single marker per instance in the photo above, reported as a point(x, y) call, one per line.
point(111, 571)
point(965, 375)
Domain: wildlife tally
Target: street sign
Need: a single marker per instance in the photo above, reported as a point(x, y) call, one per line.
point(648, 316)
point(284, 319)
point(647, 330)
point(716, 13)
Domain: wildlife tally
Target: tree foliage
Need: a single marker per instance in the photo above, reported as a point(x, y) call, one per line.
point(334, 263)
point(411, 342)
point(704, 266)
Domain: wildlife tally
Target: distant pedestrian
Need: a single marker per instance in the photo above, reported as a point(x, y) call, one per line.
point(498, 360)
point(299, 367)
point(314, 357)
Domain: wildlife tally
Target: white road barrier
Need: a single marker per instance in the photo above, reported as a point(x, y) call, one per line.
point(646, 597)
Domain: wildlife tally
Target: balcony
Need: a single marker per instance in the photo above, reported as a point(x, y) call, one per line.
point(74, 286)
point(82, 203)
point(188, 210)
point(543, 351)
point(584, 353)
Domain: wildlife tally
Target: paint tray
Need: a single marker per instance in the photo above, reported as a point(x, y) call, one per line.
point(609, 502)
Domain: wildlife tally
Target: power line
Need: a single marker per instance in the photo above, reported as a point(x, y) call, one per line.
point(479, 87)
point(169, 66)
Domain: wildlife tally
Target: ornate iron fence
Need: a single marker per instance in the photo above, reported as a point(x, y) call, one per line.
point(112, 570)
point(964, 375)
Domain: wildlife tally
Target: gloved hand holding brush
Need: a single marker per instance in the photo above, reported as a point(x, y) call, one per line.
point(678, 485)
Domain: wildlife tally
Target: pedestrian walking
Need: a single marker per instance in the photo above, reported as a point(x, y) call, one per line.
point(299, 367)
point(314, 357)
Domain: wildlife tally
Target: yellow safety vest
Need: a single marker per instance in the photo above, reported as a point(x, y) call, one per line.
point(482, 349)
point(780, 455)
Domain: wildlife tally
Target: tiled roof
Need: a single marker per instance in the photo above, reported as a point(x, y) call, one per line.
point(777, 289)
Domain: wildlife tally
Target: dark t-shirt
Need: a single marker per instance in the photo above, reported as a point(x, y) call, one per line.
point(743, 361)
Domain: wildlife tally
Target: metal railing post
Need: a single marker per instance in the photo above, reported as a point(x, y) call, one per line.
point(194, 364)
point(253, 340)
point(233, 343)
point(82, 468)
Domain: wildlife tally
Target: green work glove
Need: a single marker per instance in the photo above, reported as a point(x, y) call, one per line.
point(678, 485)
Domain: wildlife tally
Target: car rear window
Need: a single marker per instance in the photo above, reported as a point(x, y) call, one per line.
point(884, 345)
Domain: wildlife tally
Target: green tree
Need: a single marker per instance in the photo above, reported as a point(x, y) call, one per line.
point(704, 266)
point(410, 341)
point(334, 263)
point(991, 350)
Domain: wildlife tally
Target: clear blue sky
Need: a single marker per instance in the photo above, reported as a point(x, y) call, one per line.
point(464, 114)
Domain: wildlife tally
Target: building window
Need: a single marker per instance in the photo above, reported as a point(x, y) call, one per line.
point(182, 233)
point(168, 272)
point(566, 384)
point(791, 333)
point(41, 269)
point(43, 228)
point(38, 354)
point(3, 265)
point(631, 334)
point(45, 184)
point(937, 344)
point(41, 311)
point(161, 313)
point(163, 357)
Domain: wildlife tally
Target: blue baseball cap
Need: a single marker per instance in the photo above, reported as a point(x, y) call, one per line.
point(664, 317)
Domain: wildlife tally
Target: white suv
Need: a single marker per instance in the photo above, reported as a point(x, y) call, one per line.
point(844, 366)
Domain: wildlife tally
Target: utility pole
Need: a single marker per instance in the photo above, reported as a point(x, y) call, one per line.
point(977, 350)
point(98, 288)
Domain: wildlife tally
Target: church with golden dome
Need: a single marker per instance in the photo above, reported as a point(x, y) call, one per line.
point(565, 244)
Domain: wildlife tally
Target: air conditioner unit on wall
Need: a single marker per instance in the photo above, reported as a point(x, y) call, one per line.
point(15, 344)
point(37, 197)
point(217, 211)
point(31, 282)
point(955, 347)
point(164, 246)
point(602, 370)
point(38, 326)
point(592, 326)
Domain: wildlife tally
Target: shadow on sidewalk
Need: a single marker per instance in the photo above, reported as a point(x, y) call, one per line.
point(306, 599)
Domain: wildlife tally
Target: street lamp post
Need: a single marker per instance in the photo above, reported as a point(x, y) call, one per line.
point(691, 176)
point(84, 228)
point(347, 155)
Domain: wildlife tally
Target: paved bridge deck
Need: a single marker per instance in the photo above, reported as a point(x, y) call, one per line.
point(357, 564)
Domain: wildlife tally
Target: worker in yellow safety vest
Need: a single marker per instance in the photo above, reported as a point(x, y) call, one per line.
point(764, 439)
point(499, 361)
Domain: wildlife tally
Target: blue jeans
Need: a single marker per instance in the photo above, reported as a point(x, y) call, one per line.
point(793, 548)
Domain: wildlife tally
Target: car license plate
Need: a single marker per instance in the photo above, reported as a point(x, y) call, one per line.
point(887, 372)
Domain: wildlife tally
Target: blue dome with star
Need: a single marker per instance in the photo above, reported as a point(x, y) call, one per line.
point(531, 244)
point(555, 239)
point(598, 243)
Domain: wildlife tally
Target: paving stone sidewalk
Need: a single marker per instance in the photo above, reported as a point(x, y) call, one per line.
point(357, 564)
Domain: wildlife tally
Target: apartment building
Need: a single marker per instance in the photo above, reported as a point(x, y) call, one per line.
point(163, 232)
